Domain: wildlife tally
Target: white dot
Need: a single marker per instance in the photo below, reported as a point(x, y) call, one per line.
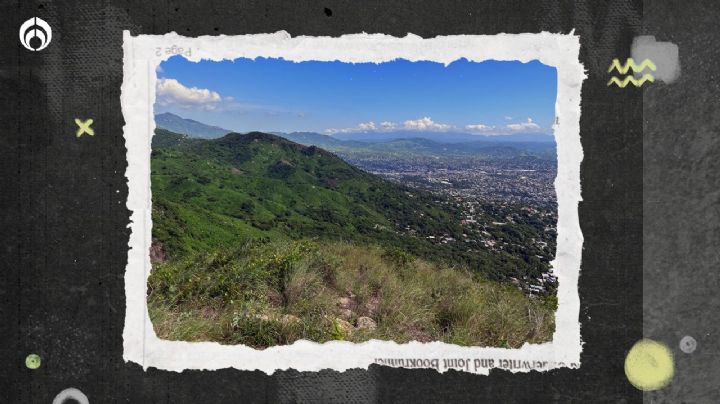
point(688, 344)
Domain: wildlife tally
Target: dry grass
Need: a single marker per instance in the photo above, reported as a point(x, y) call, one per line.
point(276, 293)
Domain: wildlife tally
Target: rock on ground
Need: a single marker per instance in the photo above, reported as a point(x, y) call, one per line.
point(289, 319)
point(366, 323)
point(346, 314)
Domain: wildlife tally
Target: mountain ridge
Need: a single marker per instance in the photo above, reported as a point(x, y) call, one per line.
point(380, 142)
point(191, 127)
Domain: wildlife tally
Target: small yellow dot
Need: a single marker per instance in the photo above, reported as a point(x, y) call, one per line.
point(649, 365)
point(32, 361)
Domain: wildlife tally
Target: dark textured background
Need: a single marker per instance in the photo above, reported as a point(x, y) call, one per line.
point(681, 204)
point(64, 220)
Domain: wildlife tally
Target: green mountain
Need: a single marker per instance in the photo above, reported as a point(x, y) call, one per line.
point(315, 139)
point(215, 194)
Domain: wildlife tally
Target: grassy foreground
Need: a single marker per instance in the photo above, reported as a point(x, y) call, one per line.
point(266, 294)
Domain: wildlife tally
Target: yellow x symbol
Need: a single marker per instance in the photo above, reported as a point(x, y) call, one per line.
point(84, 127)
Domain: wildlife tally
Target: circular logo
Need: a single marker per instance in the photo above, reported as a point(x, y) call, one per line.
point(35, 34)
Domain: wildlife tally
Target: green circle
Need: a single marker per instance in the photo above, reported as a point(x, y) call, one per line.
point(32, 361)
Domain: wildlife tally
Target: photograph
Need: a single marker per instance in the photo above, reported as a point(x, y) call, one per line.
point(334, 201)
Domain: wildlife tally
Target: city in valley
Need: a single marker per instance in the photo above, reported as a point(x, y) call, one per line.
point(517, 189)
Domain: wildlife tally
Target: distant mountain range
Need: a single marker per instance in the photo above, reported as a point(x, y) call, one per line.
point(188, 127)
point(393, 144)
point(444, 137)
point(422, 147)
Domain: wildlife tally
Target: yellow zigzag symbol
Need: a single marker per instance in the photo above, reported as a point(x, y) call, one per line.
point(630, 64)
point(631, 79)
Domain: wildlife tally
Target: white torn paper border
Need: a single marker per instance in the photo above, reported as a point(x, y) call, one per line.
point(143, 54)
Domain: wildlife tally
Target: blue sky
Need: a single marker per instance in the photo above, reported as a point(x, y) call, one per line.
point(491, 97)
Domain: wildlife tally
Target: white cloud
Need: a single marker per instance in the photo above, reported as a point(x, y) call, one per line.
point(388, 125)
point(172, 92)
point(367, 126)
point(508, 118)
point(361, 127)
point(478, 127)
point(425, 124)
point(529, 125)
point(421, 124)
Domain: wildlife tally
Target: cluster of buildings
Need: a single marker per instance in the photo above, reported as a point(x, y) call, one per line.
point(544, 284)
point(528, 182)
point(498, 199)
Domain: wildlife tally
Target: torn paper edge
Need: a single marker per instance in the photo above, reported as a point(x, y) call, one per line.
point(143, 54)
